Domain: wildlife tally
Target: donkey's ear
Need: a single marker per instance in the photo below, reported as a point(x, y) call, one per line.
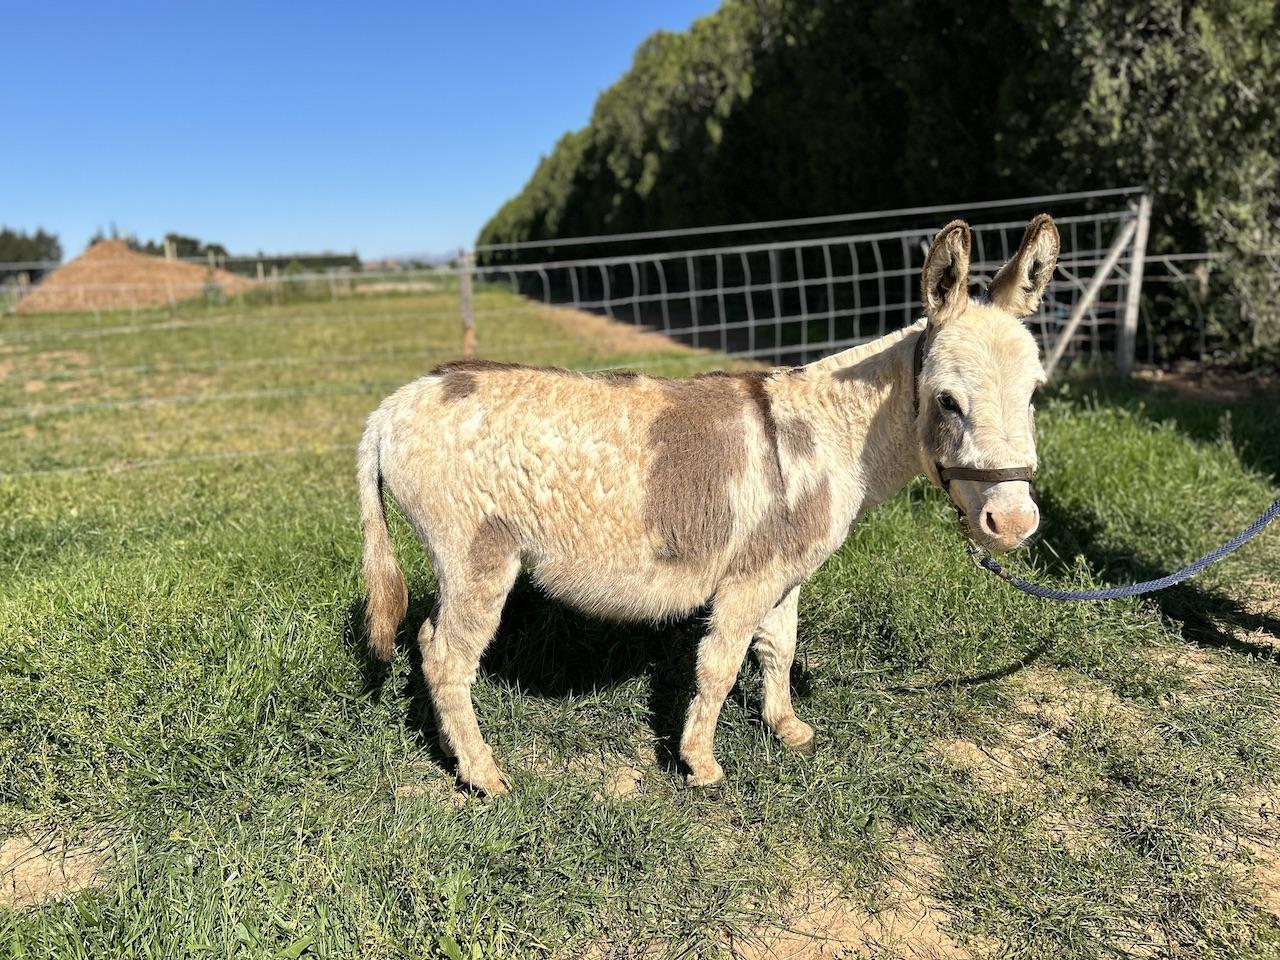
point(1021, 282)
point(944, 283)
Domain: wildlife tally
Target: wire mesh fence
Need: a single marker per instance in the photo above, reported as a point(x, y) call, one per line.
point(798, 296)
point(172, 368)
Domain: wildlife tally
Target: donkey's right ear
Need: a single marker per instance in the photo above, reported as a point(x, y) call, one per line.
point(944, 283)
point(1020, 284)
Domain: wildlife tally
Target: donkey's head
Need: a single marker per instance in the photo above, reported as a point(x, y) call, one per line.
point(978, 369)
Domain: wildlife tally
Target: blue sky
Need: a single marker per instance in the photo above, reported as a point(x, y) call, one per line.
point(388, 128)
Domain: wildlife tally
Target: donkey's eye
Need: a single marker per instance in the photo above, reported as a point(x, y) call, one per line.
point(948, 403)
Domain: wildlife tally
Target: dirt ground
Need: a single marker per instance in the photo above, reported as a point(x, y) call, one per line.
point(1196, 381)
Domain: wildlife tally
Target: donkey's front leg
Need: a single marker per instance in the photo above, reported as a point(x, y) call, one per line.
point(735, 615)
point(775, 648)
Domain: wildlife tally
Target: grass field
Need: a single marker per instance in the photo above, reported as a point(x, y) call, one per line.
point(197, 760)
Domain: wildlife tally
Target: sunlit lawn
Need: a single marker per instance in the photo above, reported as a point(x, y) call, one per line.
point(182, 690)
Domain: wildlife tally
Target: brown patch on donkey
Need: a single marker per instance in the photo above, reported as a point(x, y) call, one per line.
point(699, 450)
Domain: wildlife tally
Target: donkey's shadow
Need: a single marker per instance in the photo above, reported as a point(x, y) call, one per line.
point(546, 649)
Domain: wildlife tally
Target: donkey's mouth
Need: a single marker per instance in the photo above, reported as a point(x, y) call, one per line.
point(982, 541)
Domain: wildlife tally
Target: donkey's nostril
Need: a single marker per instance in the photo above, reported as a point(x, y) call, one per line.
point(1010, 525)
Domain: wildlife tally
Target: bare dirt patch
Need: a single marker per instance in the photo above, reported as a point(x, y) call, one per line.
point(622, 777)
point(1200, 667)
point(610, 336)
point(36, 871)
point(438, 788)
point(1074, 831)
point(821, 924)
point(614, 775)
point(1261, 600)
point(1020, 763)
point(624, 781)
point(1013, 763)
point(38, 369)
point(1256, 622)
point(1262, 818)
point(1264, 598)
point(1056, 701)
point(993, 768)
point(1195, 381)
point(110, 276)
point(50, 362)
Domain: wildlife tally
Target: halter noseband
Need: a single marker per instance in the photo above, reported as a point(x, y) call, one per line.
point(947, 474)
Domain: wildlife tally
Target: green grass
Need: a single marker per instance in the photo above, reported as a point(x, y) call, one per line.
point(181, 678)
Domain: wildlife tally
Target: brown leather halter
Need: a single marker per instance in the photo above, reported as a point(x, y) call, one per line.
point(947, 474)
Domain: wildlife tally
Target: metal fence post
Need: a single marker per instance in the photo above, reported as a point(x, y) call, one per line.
point(466, 263)
point(1090, 295)
point(1127, 341)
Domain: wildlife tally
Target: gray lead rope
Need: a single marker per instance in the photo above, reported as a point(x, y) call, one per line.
point(1133, 589)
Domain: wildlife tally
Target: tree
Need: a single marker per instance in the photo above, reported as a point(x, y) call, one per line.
point(780, 108)
point(30, 249)
point(20, 246)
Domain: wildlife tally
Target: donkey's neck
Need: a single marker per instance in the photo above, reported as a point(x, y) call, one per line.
point(865, 351)
point(863, 411)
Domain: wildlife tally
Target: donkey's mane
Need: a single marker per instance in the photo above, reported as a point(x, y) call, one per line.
point(863, 351)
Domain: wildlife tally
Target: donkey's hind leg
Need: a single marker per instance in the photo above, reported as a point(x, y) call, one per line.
point(775, 647)
point(471, 601)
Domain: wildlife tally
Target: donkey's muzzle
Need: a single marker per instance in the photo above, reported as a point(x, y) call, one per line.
point(1001, 522)
point(1006, 526)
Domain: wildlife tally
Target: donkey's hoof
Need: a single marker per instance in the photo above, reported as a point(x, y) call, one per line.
point(492, 782)
point(494, 787)
point(798, 736)
point(705, 775)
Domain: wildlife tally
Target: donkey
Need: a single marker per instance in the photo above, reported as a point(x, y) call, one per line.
point(637, 497)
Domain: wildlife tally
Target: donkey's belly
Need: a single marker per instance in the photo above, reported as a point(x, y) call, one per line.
point(624, 591)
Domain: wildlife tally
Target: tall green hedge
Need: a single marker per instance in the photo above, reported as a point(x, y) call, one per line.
point(781, 108)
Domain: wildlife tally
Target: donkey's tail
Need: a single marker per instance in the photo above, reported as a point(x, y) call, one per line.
point(387, 596)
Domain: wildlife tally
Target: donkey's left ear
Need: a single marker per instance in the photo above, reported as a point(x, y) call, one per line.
point(944, 282)
point(1021, 282)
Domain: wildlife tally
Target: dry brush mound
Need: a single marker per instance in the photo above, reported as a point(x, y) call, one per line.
point(110, 276)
